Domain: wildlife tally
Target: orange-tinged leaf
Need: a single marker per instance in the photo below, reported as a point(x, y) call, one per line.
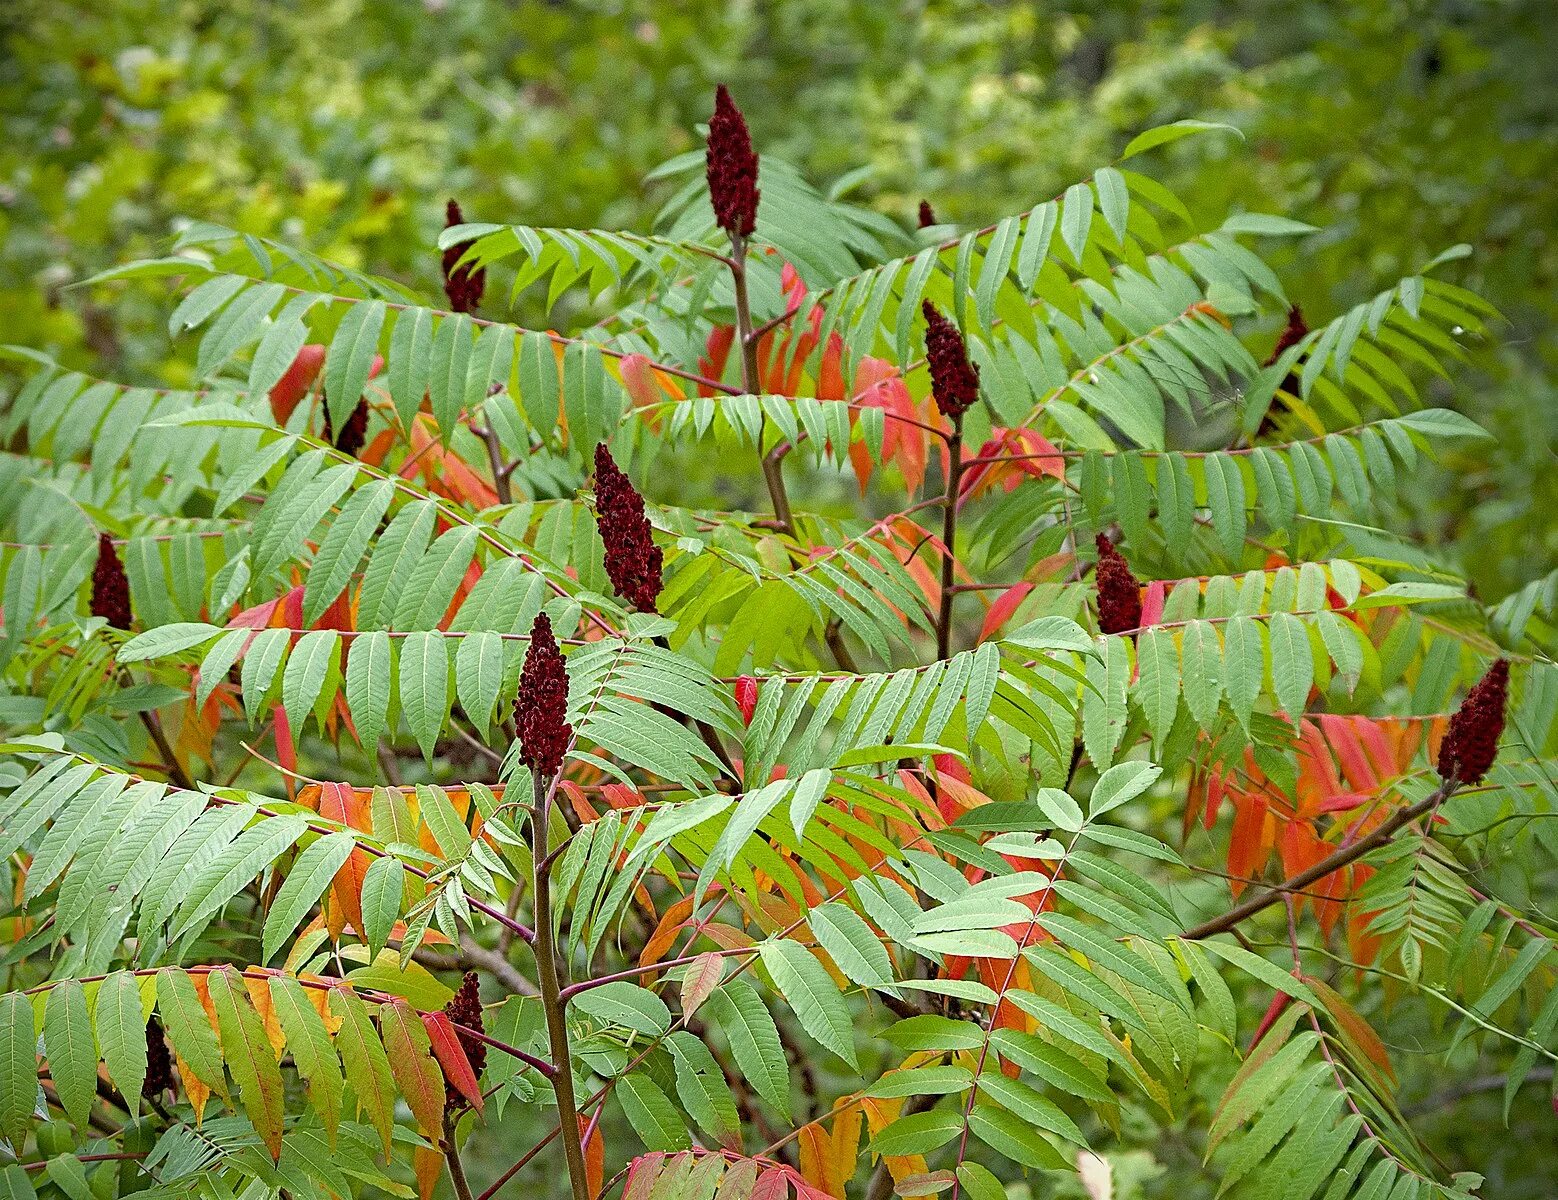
point(247, 1052)
point(342, 803)
point(260, 997)
point(411, 1061)
point(452, 1057)
point(816, 1146)
point(594, 1156)
point(1001, 611)
point(1357, 1030)
point(197, 1092)
point(666, 932)
point(878, 1115)
point(845, 1150)
point(428, 1164)
point(702, 977)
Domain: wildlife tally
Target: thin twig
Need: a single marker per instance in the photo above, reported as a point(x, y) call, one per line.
point(176, 770)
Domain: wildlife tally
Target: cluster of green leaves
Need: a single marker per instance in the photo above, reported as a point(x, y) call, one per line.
point(945, 872)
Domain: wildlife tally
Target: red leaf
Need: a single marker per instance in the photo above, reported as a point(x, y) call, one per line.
point(594, 1156)
point(1001, 611)
point(746, 697)
point(295, 381)
point(451, 1056)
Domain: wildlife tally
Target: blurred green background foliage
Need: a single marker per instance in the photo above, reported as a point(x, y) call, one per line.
point(1401, 128)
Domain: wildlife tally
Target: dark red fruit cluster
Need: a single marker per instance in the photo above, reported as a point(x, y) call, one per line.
point(927, 215)
point(464, 1010)
point(542, 704)
point(1471, 743)
point(462, 285)
point(110, 585)
point(159, 1063)
point(353, 434)
point(954, 381)
point(1119, 591)
point(633, 560)
point(1294, 332)
point(731, 164)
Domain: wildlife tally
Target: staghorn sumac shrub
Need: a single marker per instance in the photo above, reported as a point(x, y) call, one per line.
point(363, 786)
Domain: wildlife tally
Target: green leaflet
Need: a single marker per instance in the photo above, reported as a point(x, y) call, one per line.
point(809, 990)
point(737, 1010)
point(650, 1113)
point(343, 546)
point(313, 1051)
point(188, 1029)
point(424, 687)
point(300, 891)
point(120, 1021)
point(71, 1048)
point(350, 357)
point(367, 1065)
point(249, 1056)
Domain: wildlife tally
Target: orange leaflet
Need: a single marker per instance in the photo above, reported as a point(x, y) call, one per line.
point(1002, 610)
point(427, 1162)
point(1024, 454)
point(341, 802)
point(904, 442)
point(594, 1156)
point(644, 385)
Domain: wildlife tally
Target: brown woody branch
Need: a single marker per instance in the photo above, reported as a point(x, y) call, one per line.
point(1333, 862)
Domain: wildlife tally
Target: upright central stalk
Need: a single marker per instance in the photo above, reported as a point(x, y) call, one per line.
point(773, 471)
point(949, 530)
point(551, 995)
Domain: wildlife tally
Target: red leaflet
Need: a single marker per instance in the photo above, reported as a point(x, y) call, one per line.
point(1001, 611)
point(449, 1048)
point(295, 381)
point(746, 697)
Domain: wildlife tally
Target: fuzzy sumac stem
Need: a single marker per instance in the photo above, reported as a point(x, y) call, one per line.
point(551, 998)
point(949, 529)
point(746, 338)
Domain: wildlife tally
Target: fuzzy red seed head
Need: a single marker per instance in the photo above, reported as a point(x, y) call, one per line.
point(541, 707)
point(1294, 332)
point(464, 1010)
point(159, 1063)
point(462, 285)
point(746, 697)
point(731, 165)
point(1471, 742)
point(1119, 591)
point(633, 561)
point(954, 381)
point(110, 585)
point(927, 215)
point(353, 433)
